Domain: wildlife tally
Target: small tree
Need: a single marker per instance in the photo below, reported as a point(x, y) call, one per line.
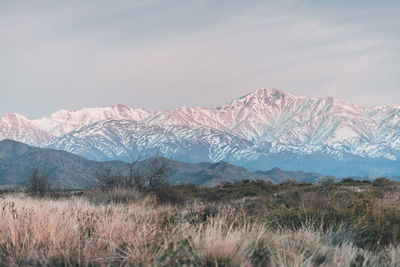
point(155, 172)
point(39, 183)
point(107, 179)
point(149, 175)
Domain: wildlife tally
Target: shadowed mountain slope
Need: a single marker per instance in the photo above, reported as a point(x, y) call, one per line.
point(68, 170)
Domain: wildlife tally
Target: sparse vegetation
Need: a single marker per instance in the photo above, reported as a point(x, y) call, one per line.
point(151, 175)
point(148, 178)
point(236, 224)
point(38, 183)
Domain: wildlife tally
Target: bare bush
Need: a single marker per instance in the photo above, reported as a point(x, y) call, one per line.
point(108, 179)
point(147, 175)
point(39, 183)
point(154, 173)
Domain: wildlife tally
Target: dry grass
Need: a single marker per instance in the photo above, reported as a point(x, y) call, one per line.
point(391, 198)
point(78, 232)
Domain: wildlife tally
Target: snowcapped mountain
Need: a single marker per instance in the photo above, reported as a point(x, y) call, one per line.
point(264, 126)
point(17, 127)
point(127, 140)
point(64, 121)
point(299, 124)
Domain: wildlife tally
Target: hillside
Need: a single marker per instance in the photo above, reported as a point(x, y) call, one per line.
point(72, 171)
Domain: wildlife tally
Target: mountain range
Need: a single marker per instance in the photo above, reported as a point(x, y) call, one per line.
point(67, 170)
point(264, 129)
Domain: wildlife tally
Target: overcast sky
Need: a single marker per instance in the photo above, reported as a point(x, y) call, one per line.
point(161, 54)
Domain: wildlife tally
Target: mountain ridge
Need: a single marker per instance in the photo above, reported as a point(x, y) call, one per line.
point(265, 123)
point(69, 170)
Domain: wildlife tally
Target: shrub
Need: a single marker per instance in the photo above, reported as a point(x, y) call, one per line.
point(39, 184)
point(149, 175)
point(108, 179)
point(168, 195)
point(381, 182)
point(115, 195)
point(348, 181)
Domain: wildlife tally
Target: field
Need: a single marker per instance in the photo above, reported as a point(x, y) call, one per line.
point(241, 224)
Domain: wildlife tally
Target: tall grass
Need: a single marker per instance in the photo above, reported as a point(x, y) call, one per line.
point(76, 231)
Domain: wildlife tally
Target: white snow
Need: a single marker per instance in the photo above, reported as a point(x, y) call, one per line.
point(266, 118)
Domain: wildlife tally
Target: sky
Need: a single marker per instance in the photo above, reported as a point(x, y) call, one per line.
point(161, 54)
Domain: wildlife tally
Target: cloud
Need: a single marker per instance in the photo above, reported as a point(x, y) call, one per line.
point(163, 54)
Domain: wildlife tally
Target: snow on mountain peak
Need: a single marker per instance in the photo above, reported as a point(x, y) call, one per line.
point(14, 116)
point(269, 93)
point(262, 96)
point(64, 121)
point(16, 127)
point(266, 118)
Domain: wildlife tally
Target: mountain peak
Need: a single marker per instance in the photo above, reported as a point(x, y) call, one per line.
point(276, 169)
point(120, 107)
point(13, 116)
point(262, 96)
point(64, 121)
point(16, 127)
point(269, 93)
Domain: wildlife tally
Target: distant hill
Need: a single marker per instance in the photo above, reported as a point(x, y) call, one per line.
point(66, 169)
point(72, 171)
